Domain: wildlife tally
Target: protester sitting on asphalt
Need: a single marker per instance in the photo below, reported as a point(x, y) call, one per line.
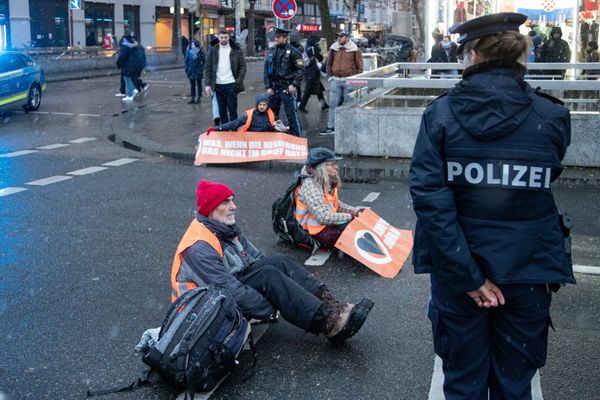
point(215, 251)
point(259, 119)
point(318, 209)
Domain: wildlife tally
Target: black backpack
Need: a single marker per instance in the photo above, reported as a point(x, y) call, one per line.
point(198, 344)
point(285, 226)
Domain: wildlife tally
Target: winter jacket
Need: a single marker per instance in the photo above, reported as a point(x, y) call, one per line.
point(283, 67)
point(312, 75)
point(203, 265)
point(238, 65)
point(127, 61)
point(345, 60)
point(260, 120)
point(480, 180)
point(194, 63)
point(555, 51)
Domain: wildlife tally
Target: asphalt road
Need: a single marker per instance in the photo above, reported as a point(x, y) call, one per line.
point(85, 266)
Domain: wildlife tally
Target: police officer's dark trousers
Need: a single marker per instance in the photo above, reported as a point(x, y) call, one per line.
point(290, 288)
point(498, 349)
point(289, 104)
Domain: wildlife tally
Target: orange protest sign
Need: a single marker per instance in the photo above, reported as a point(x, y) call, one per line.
point(372, 241)
point(236, 147)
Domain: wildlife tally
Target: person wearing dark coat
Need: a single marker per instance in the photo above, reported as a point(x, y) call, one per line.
point(127, 63)
point(139, 55)
point(194, 69)
point(555, 50)
point(488, 230)
point(312, 76)
point(437, 53)
point(262, 119)
point(214, 250)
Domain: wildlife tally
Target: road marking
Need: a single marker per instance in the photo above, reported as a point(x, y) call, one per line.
point(62, 113)
point(436, 390)
point(120, 161)
point(83, 140)
point(371, 197)
point(11, 190)
point(586, 269)
point(40, 112)
point(89, 115)
point(53, 146)
point(86, 171)
point(317, 259)
point(18, 153)
point(48, 181)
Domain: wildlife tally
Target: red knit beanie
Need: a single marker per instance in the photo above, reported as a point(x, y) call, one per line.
point(210, 194)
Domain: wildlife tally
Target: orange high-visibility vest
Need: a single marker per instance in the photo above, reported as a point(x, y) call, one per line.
point(307, 220)
point(250, 113)
point(195, 232)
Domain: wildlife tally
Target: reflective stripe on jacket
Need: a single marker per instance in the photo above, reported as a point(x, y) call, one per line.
point(250, 114)
point(306, 219)
point(195, 232)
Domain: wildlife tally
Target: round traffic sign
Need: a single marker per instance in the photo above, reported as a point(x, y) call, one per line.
point(284, 9)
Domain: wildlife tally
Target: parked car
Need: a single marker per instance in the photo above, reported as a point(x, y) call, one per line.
point(22, 81)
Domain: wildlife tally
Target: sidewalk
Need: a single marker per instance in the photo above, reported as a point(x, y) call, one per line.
point(170, 127)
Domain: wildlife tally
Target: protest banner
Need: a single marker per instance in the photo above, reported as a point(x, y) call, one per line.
point(372, 241)
point(239, 147)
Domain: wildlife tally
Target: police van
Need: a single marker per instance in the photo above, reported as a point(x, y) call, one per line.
point(22, 81)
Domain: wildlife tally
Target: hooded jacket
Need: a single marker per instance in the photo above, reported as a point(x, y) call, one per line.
point(556, 51)
point(480, 180)
point(129, 60)
point(260, 120)
point(344, 60)
point(203, 265)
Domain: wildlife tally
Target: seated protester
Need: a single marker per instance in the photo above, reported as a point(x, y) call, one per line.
point(259, 119)
point(318, 209)
point(215, 251)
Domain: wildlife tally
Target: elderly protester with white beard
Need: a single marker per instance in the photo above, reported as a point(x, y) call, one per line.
point(214, 250)
point(318, 208)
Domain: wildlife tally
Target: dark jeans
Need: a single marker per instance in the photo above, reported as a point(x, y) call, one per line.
point(499, 348)
point(308, 93)
point(289, 104)
point(196, 84)
point(227, 99)
point(290, 288)
point(328, 236)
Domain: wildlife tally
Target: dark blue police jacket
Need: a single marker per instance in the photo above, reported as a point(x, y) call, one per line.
point(480, 178)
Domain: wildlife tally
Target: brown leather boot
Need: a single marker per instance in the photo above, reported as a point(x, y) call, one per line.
point(326, 297)
point(345, 320)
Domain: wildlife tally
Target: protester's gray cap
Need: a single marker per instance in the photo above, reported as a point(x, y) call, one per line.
point(487, 25)
point(342, 33)
point(320, 154)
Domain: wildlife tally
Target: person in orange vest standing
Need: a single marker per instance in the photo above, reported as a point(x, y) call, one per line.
point(259, 119)
point(318, 209)
point(213, 250)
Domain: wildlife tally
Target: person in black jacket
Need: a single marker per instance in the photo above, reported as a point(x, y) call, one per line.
point(283, 76)
point(555, 50)
point(488, 231)
point(194, 69)
point(127, 63)
point(312, 76)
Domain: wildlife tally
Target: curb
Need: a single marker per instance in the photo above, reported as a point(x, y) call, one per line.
point(101, 73)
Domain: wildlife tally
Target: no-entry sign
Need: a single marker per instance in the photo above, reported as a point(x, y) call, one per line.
point(284, 9)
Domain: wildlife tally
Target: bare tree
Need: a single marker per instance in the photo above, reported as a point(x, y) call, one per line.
point(326, 22)
point(176, 43)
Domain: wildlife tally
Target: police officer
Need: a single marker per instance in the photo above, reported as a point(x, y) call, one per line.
point(488, 231)
point(283, 75)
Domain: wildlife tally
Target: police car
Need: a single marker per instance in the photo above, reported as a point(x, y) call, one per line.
point(22, 81)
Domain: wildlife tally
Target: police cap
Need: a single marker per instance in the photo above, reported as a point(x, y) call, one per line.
point(486, 25)
point(282, 31)
point(320, 154)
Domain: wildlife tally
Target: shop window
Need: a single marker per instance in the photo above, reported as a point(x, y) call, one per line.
point(131, 18)
point(99, 21)
point(49, 23)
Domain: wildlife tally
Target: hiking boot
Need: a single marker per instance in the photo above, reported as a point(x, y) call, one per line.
point(326, 297)
point(345, 320)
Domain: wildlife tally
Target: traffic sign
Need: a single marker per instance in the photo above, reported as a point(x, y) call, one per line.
point(284, 9)
point(75, 4)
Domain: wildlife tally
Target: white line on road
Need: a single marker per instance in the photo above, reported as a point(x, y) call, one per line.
point(89, 115)
point(371, 197)
point(48, 181)
point(120, 161)
point(53, 146)
point(40, 112)
point(86, 171)
point(317, 259)
point(586, 269)
point(11, 190)
point(18, 153)
point(61, 113)
point(436, 390)
point(83, 140)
